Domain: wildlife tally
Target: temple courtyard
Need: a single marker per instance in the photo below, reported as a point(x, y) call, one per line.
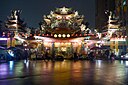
point(67, 72)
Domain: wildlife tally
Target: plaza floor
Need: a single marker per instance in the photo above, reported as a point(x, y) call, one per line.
point(65, 72)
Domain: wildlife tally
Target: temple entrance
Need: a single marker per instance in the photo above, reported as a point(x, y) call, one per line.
point(63, 49)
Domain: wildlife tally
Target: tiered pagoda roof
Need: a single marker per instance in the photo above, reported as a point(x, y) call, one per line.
point(14, 22)
point(63, 20)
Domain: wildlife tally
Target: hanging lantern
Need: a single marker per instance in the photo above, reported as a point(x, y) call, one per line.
point(68, 35)
point(42, 34)
point(64, 35)
point(84, 34)
point(55, 35)
point(59, 35)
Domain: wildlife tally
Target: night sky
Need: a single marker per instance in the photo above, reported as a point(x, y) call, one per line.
point(33, 10)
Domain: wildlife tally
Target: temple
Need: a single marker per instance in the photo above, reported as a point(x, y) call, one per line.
point(14, 26)
point(63, 32)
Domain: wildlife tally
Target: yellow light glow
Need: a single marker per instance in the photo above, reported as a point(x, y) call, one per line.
point(68, 43)
point(117, 39)
point(47, 44)
point(68, 35)
point(57, 44)
point(62, 43)
point(18, 38)
point(59, 35)
point(63, 48)
point(59, 17)
point(68, 17)
point(64, 35)
point(55, 35)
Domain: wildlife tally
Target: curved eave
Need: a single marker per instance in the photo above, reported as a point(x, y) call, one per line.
point(62, 31)
point(47, 39)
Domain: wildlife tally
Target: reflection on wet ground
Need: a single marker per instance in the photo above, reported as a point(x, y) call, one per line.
point(64, 73)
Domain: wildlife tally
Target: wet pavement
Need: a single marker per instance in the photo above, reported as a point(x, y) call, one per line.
point(64, 72)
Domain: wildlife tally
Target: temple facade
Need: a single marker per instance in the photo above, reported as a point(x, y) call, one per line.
point(64, 32)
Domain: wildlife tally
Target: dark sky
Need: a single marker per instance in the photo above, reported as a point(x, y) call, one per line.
point(33, 10)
